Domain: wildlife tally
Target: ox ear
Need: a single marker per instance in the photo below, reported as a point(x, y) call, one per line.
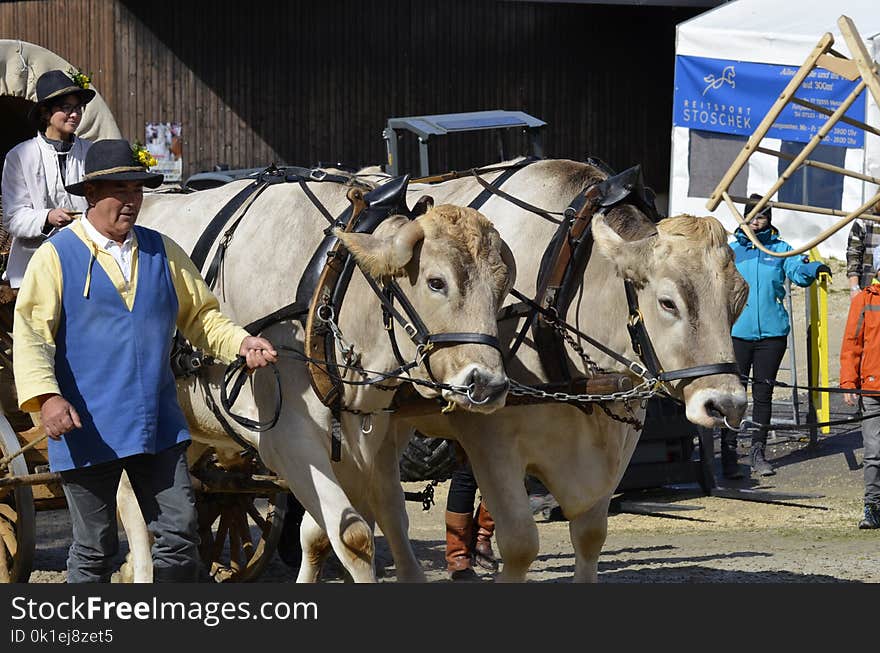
point(633, 258)
point(386, 254)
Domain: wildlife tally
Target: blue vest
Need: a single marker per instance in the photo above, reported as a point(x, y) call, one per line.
point(112, 364)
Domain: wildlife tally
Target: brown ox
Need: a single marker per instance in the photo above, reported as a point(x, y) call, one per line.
point(690, 294)
point(453, 267)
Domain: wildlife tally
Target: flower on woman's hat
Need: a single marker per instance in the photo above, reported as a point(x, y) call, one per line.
point(80, 78)
point(142, 156)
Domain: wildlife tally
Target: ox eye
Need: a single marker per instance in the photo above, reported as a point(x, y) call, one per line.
point(668, 305)
point(437, 284)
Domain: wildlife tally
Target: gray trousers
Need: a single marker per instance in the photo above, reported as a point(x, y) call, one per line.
point(165, 495)
point(871, 458)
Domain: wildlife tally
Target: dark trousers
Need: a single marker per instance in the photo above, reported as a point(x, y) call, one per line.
point(871, 458)
point(165, 495)
point(759, 359)
point(462, 489)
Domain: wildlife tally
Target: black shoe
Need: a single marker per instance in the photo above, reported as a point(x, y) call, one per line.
point(871, 519)
point(466, 575)
point(758, 462)
point(730, 467)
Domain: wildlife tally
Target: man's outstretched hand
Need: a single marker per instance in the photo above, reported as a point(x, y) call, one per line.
point(258, 352)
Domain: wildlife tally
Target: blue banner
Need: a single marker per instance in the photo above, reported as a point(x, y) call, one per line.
point(732, 97)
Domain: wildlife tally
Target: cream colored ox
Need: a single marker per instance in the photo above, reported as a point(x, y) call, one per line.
point(690, 293)
point(452, 266)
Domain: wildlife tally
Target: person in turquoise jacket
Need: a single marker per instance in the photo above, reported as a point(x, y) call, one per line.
point(759, 335)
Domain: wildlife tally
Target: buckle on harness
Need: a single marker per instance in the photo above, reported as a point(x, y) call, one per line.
point(422, 351)
point(410, 329)
point(325, 313)
point(317, 174)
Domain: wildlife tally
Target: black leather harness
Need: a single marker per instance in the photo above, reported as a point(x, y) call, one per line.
point(561, 275)
point(364, 214)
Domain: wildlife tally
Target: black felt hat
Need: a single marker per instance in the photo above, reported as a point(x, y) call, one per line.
point(114, 160)
point(54, 84)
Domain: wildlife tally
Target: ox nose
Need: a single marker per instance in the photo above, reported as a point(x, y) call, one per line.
point(729, 407)
point(483, 388)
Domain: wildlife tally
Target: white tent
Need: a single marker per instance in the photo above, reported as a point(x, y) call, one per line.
point(731, 64)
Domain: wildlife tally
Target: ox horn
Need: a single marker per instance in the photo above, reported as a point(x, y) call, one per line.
point(404, 243)
point(386, 256)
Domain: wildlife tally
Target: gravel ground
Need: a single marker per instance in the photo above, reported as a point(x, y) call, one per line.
point(715, 540)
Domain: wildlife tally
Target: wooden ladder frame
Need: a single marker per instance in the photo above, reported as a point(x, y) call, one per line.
point(860, 67)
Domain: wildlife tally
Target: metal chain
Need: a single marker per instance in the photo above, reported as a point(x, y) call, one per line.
point(644, 390)
point(589, 363)
point(629, 418)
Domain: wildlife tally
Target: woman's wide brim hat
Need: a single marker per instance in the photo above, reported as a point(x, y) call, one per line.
point(114, 160)
point(54, 84)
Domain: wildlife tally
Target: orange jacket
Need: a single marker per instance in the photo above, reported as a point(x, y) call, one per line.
point(860, 350)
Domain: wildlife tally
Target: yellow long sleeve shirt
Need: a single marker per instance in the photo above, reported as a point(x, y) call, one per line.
point(38, 309)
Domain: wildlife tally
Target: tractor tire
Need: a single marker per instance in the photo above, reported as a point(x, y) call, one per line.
point(427, 459)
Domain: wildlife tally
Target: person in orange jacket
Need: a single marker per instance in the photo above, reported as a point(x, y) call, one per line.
point(860, 369)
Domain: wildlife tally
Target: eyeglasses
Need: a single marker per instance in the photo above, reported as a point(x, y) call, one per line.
point(760, 216)
point(70, 108)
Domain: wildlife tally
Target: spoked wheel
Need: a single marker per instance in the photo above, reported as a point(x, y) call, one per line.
point(239, 533)
point(17, 519)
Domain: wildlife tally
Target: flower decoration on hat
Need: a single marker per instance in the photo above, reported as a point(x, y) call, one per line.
point(142, 156)
point(80, 78)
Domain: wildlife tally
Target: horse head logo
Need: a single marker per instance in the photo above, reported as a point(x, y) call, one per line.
point(727, 76)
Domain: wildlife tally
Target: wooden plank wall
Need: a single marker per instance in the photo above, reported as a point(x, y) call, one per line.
point(76, 30)
point(299, 82)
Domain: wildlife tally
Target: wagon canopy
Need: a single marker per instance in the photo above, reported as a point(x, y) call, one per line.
point(21, 63)
point(731, 64)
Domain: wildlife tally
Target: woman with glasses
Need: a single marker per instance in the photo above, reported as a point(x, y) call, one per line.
point(35, 202)
point(760, 333)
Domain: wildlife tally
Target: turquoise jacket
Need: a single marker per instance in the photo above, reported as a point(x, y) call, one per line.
point(764, 315)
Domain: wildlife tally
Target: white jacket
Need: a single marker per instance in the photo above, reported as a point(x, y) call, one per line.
point(32, 186)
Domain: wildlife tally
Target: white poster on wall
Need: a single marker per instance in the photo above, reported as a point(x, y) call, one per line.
point(164, 143)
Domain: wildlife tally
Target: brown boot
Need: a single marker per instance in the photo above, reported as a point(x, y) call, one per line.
point(483, 554)
point(459, 534)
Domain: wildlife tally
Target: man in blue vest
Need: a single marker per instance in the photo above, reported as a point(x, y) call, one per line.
point(97, 309)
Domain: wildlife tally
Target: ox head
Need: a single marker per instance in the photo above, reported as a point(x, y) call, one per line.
point(455, 270)
point(690, 294)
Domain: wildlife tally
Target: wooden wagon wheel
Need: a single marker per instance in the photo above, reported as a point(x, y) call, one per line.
point(17, 518)
point(239, 533)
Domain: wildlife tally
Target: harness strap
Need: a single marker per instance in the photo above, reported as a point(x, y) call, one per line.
point(491, 189)
point(200, 252)
point(641, 343)
point(700, 370)
point(314, 199)
point(220, 255)
point(237, 373)
point(295, 311)
point(464, 338)
point(631, 365)
point(215, 410)
point(447, 176)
